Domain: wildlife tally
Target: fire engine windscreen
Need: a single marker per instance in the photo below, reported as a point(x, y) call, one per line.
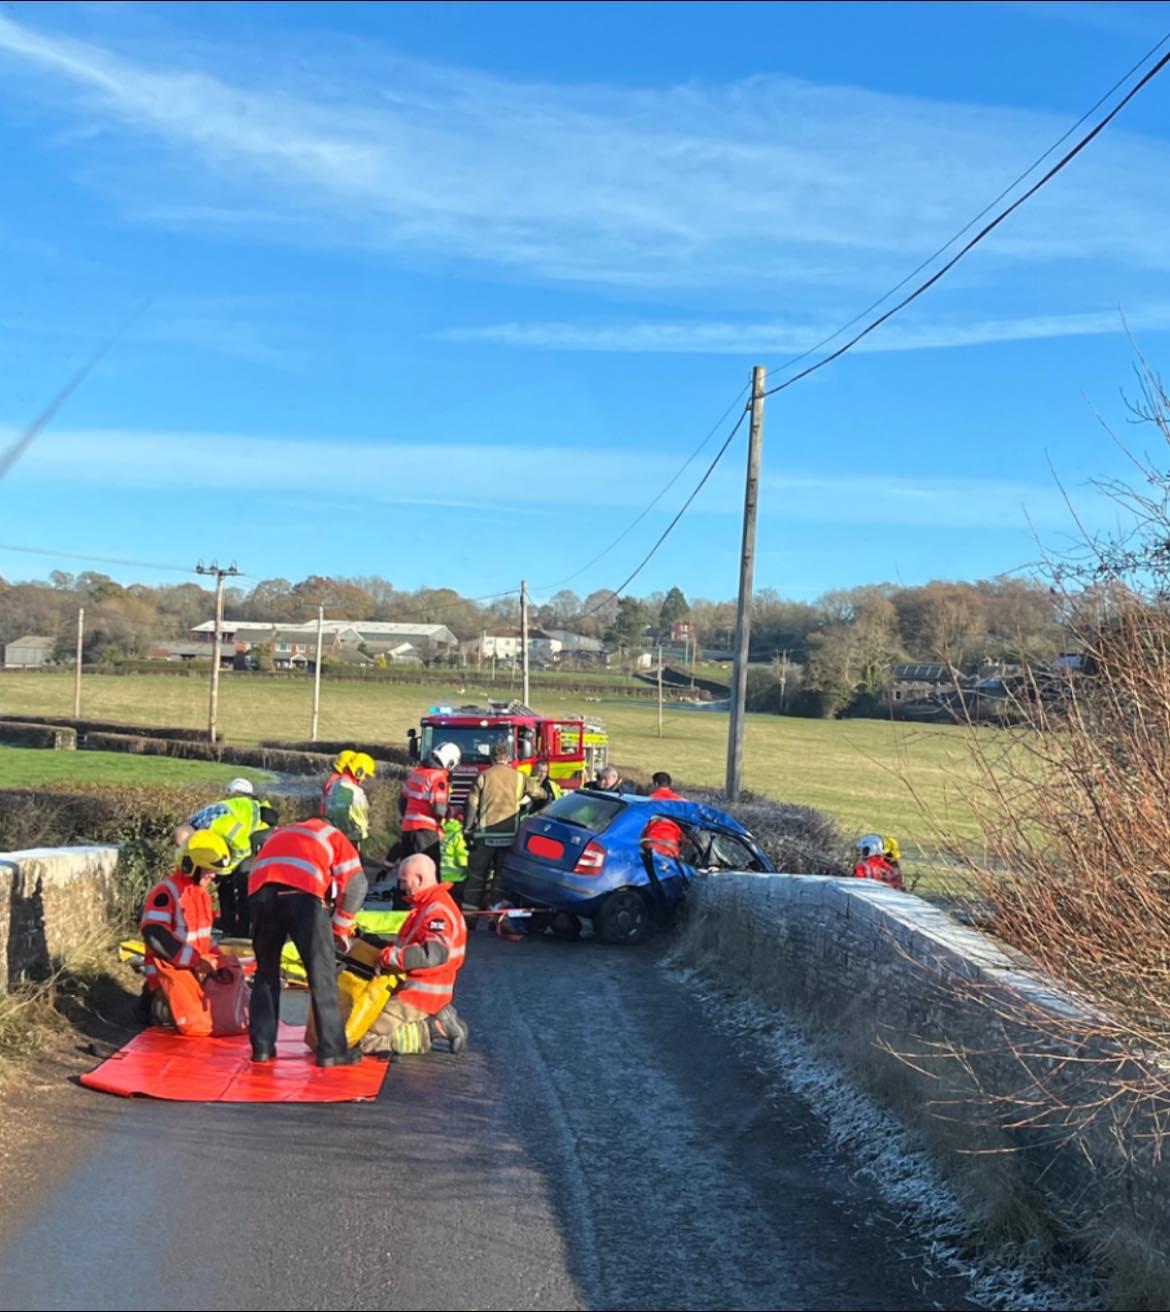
point(475, 743)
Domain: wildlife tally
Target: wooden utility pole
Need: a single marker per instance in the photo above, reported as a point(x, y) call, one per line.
point(743, 612)
point(660, 690)
point(524, 633)
point(317, 672)
point(220, 575)
point(77, 665)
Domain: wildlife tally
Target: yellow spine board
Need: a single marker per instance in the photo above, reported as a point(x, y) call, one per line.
point(361, 1000)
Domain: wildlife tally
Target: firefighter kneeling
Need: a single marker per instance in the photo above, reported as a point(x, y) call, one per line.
point(191, 986)
point(428, 952)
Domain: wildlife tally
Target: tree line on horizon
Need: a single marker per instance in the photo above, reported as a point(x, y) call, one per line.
point(841, 647)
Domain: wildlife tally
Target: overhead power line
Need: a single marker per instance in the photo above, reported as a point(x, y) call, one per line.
point(983, 232)
point(666, 532)
point(1062, 163)
point(633, 524)
point(90, 559)
point(991, 204)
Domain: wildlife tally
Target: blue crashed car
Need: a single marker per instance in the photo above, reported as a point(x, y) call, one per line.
point(583, 855)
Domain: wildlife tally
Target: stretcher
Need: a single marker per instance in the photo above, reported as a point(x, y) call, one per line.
point(292, 971)
point(133, 950)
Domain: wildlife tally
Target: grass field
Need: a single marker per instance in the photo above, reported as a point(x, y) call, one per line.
point(28, 767)
point(863, 772)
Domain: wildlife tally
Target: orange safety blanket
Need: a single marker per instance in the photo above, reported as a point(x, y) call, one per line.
point(158, 1063)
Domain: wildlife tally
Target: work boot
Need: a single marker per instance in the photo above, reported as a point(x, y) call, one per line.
point(450, 1025)
point(350, 1058)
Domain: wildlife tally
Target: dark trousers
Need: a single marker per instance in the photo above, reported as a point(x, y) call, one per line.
point(234, 917)
point(421, 840)
point(278, 914)
point(485, 866)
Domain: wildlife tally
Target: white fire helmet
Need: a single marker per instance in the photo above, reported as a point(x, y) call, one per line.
point(447, 755)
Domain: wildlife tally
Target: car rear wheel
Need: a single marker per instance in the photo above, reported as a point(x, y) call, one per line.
point(624, 917)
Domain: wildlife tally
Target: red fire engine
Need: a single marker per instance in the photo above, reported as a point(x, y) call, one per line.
point(574, 748)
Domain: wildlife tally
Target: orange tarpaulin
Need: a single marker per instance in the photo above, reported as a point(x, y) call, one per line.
point(158, 1063)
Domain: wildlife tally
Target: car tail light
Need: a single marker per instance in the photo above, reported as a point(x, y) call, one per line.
point(591, 860)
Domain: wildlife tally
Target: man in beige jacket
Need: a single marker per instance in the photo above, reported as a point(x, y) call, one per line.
point(490, 823)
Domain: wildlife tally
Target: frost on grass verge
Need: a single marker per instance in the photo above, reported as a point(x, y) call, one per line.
point(885, 1152)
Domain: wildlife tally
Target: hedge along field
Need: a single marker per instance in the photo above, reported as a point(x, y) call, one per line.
point(864, 773)
point(23, 767)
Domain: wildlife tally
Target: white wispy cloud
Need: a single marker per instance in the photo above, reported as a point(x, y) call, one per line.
point(297, 478)
point(784, 337)
point(245, 329)
point(737, 188)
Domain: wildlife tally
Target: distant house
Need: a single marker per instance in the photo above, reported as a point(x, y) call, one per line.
point(506, 645)
point(577, 647)
point(296, 644)
point(188, 651)
point(913, 683)
point(32, 652)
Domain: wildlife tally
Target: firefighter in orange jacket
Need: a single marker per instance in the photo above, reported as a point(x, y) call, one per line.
point(301, 871)
point(662, 835)
point(176, 928)
point(427, 952)
point(876, 862)
point(424, 801)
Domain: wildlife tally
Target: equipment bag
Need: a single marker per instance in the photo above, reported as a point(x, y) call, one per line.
point(211, 1010)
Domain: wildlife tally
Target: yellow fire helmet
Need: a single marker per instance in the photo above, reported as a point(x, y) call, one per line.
point(204, 850)
point(343, 760)
point(362, 766)
point(892, 851)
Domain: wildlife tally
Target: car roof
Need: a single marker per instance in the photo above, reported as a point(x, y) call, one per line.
point(697, 813)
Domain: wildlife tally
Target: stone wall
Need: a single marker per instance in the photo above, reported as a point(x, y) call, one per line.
point(51, 901)
point(930, 1015)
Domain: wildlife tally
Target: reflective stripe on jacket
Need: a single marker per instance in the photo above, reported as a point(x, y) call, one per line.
point(493, 805)
point(313, 857)
point(453, 854)
point(183, 908)
point(437, 923)
point(426, 788)
point(235, 820)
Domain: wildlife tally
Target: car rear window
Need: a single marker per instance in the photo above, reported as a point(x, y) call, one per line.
point(586, 810)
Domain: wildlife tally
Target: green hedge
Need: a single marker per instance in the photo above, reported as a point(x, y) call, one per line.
point(140, 819)
point(83, 727)
point(394, 753)
point(17, 733)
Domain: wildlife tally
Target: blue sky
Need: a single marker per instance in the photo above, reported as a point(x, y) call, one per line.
point(447, 293)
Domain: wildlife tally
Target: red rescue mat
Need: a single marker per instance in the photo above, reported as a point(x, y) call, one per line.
point(158, 1063)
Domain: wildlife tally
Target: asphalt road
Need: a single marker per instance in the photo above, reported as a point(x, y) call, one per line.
point(598, 1146)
